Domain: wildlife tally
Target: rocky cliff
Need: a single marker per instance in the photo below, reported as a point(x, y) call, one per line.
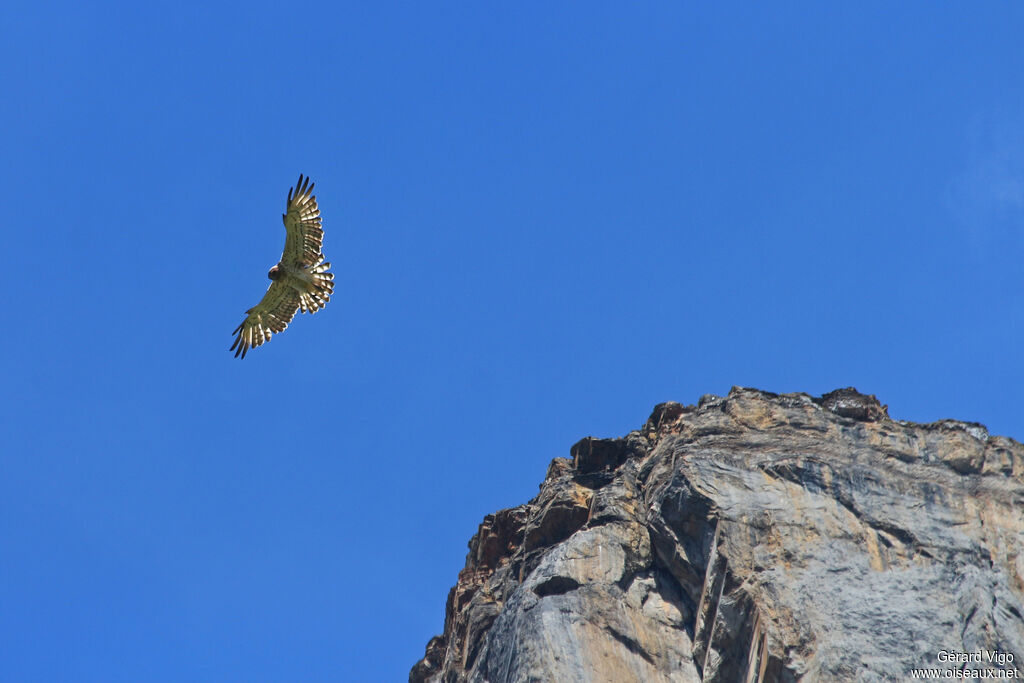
point(755, 537)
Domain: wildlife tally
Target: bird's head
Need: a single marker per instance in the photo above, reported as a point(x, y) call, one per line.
point(275, 273)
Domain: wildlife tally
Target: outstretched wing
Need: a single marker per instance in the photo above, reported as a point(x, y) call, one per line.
point(302, 223)
point(271, 315)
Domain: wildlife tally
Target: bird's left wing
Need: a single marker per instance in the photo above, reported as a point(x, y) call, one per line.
point(271, 315)
point(305, 233)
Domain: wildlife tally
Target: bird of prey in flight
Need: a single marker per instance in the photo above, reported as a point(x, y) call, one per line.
point(299, 281)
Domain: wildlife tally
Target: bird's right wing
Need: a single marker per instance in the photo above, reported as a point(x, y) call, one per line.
point(305, 232)
point(271, 315)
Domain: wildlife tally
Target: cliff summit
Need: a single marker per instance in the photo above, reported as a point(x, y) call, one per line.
point(752, 537)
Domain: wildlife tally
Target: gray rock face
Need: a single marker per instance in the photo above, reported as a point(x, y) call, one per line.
point(755, 537)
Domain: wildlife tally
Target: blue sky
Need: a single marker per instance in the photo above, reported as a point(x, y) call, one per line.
point(543, 219)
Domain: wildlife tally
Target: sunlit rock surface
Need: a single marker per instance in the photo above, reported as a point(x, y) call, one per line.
point(753, 537)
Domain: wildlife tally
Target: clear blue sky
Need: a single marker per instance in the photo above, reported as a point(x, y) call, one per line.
point(544, 219)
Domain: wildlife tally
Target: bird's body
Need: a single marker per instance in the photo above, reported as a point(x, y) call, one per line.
point(300, 281)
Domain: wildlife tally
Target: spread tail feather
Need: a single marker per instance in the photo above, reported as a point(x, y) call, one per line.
point(320, 293)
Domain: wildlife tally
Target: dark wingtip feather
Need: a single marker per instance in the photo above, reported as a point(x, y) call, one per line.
point(239, 344)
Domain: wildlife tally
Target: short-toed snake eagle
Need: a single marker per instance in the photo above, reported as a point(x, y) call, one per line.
point(299, 281)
